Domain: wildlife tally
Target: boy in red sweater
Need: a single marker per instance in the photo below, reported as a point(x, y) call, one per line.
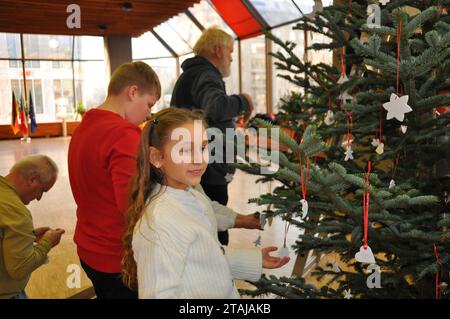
point(102, 160)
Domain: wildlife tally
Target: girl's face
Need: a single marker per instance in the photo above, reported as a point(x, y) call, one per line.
point(184, 158)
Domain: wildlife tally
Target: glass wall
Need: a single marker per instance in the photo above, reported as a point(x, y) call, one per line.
point(61, 73)
point(281, 86)
point(254, 71)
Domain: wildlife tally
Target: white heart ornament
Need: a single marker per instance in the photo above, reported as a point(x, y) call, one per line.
point(283, 252)
point(403, 128)
point(380, 149)
point(365, 255)
point(304, 208)
point(329, 118)
point(392, 184)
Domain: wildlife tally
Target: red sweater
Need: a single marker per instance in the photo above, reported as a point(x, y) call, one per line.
point(102, 160)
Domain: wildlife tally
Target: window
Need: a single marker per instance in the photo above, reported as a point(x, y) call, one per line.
point(185, 28)
point(276, 12)
point(232, 82)
point(254, 71)
point(281, 86)
point(10, 48)
point(35, 87)
point(147, 46)
point(63, 96)
point(208, 16)
point(167, 74)
point(90, 83)
point(51, 73)
point(168, 34)
point(88, 48)
point(47, 46)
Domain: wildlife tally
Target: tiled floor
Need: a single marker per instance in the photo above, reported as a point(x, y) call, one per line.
point(57, 209)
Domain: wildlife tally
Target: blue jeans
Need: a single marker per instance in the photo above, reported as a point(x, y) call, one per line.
point(20, 295)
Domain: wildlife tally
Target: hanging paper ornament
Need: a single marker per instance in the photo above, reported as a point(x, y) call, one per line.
point(348, 294)
point(228, 177)
point(380, 149)
point(375, 142)
point(343, 79)
point(257, 242)
point(397, 107)
point(348, 153)
point(345, 97)
point(336, 268)
point(403, 128)
point(365, 254)
point(384, 2)
point(392, 184)
point(329, 118)
point(283, 252)
point(304, 208)
point(304, 184)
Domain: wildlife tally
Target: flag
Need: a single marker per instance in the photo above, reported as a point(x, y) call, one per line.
point(15, 115)
point(32, 115)
point(23, 118)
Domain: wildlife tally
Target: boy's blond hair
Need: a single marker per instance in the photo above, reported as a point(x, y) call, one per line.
point(211, 38)
point(135, 73)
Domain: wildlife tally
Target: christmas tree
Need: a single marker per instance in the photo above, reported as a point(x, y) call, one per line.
point(366, 168)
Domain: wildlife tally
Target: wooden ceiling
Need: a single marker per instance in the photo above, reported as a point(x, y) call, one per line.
point(49, 17)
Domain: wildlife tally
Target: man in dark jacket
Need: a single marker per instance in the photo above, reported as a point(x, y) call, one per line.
point(201, 86)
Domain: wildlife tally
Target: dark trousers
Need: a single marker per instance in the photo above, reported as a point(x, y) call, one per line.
point(107, 285)
point(218, 193)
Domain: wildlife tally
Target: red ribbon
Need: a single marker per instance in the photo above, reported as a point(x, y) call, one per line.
point(399, 35)
point(366, 198)
point(349, 127)
point(304, 182)
point(343, 70)
point(438, 261)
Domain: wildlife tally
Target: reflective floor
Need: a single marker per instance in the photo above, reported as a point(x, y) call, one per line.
point(57, 210)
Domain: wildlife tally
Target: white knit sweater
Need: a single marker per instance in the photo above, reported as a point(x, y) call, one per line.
point(177, 252)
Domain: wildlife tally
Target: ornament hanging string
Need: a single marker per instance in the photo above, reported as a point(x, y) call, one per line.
point(399, 35)
point(366, 198)
point(349, 128)
point(438, 261)
point(304, 181)
point(343, 70)
point(286, 230)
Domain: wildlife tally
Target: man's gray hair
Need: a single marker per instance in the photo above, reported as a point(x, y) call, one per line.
point(43, 165)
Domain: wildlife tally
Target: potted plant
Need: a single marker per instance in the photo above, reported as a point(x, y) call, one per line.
point(80, 110)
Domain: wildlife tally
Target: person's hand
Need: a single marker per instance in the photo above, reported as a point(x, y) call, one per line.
point(247, 221)
point(54, 236)
point(271, 262)
point(39, 232)
point(251, 106)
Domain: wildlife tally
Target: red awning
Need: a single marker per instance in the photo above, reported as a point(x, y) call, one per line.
point(237, 16)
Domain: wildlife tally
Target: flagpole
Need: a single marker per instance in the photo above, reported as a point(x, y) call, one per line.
point(27, 137)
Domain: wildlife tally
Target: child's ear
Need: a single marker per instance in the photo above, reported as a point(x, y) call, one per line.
point(132, 91)
point(155, 157)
